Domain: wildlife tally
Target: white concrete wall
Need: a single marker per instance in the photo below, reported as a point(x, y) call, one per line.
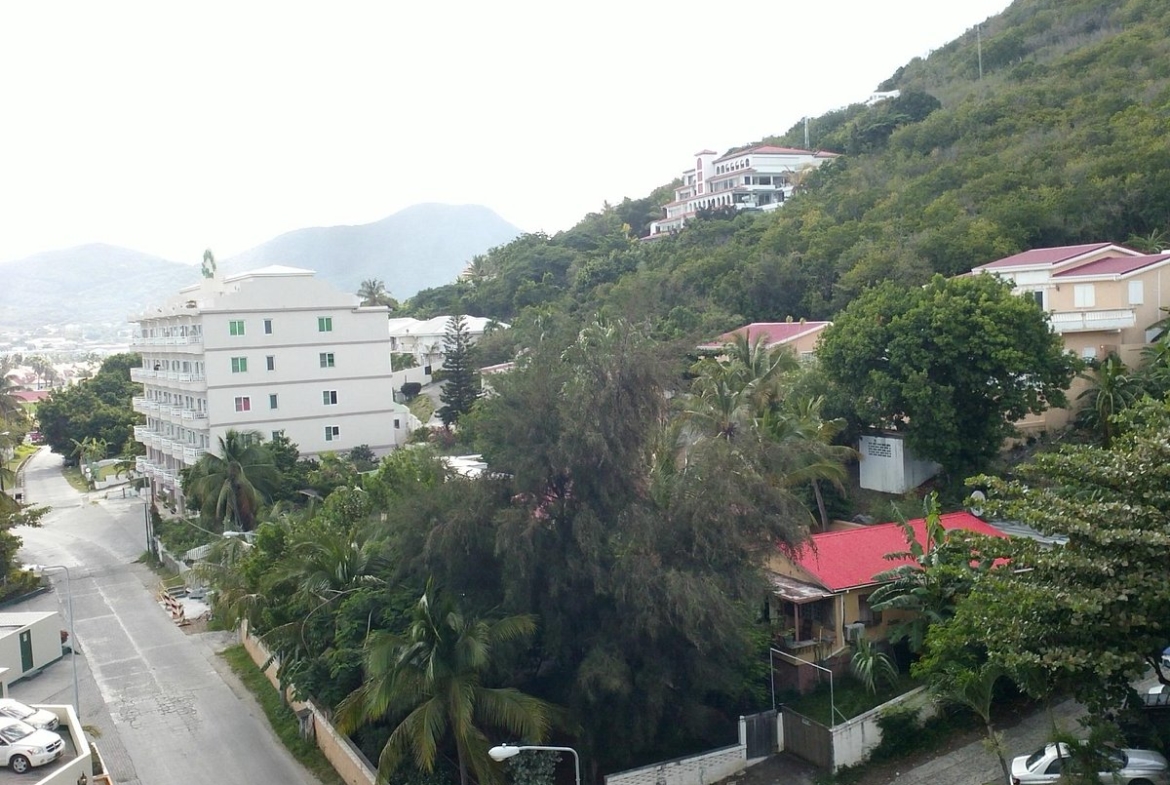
point(855, 739)
point(888, 467)
point(69, 773)
point(695, 770)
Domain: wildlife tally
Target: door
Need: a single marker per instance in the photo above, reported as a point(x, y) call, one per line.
point(26, 654)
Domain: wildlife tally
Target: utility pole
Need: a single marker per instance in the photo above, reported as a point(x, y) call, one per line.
point(979, 49)
point(806, 132)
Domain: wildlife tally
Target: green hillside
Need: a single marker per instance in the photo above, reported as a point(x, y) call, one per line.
point(1063, 140)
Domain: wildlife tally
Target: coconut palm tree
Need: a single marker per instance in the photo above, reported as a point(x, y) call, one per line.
point(373, 292)
point(429, 683)
point(1111, 389)
point(234, 483)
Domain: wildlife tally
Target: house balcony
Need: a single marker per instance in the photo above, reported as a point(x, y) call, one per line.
point(191, 455)
point(139, 404)
point(1103, 320)
point(808, 638)
point(141, 434)
point(142, 375)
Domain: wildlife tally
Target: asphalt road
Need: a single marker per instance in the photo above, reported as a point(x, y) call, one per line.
point(168, 708)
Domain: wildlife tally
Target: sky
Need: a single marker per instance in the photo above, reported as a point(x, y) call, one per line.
point(170, 128)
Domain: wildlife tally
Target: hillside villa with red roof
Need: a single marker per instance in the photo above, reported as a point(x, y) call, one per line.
point(820, 596)
point(1101, 298)
point(759, 177)
point(801, 337)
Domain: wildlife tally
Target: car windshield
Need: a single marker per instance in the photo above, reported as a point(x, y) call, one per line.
point(20, 712)
point(15, 732)
point(1035, 757)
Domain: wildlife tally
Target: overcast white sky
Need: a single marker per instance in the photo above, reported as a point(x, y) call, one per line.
point(170, 128)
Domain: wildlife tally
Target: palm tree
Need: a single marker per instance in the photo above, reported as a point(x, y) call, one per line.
point(1111, 390)
point(234, 483)
point(429, 682)
point(373, 292)
point(11, 409)
point(974, 689)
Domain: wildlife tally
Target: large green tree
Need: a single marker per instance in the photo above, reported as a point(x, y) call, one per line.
point(1091, 613)
point(951, 364)
point(642, 564)
point(98, 408)
point(461, 380)
point(431, 683)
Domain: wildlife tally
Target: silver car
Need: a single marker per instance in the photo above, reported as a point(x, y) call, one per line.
point(1132, 767)
point(38, 718)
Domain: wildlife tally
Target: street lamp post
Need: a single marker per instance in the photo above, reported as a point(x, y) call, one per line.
point(72, 636)
point(505, 751)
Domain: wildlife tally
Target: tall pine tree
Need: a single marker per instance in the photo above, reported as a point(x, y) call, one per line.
point(461, 387)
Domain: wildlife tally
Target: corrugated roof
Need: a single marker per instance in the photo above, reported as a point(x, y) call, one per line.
point(1113, 265)
point(1044, 256)
point(845, 559)
point(775, 333)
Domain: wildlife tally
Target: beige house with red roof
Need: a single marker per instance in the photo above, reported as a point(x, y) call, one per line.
point(819, 603)
point(759, 177)
point(801, 337)
point(1102, 299)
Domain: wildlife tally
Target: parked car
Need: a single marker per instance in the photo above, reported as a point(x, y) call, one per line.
point(23, 747)
point(38, 718)
point(1133, 767)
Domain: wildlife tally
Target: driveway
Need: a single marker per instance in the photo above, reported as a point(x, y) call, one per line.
point(167, 706)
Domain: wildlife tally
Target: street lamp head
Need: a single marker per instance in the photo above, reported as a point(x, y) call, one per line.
point(503, 752)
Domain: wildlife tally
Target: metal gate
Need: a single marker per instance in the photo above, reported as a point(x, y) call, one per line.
point(808, 739)
point(761, 734)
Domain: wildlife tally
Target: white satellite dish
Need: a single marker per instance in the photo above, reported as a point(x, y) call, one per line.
point(977, 499)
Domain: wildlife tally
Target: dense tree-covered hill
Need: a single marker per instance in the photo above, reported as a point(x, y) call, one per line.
point(1062, 140)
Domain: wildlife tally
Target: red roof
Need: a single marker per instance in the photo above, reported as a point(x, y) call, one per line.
point(766, 149)
point(846, 559)
point(1045, 256)
point(31, 396)
point(774, 332)
point(1114, 265)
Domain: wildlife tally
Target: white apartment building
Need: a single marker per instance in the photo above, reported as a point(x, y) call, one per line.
point(759, 177)
point(272, 350)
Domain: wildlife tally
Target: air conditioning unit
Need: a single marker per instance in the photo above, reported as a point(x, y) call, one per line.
point(854, 632)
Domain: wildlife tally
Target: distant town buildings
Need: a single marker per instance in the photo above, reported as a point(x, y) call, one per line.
point(799, 337)
point(273, 350)
point(760, 177)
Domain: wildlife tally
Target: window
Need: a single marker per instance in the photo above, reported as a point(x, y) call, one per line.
point(277, 434)
point(1084, 296)
point(324, 324)
point(326, 359)
point(243, 404)
point(396, 423)
point(1038, 297)
point(329, 397)
point(268, 327)
point(1136, 293)
point(332, 433)
point(1089, 353)
point(270, 361)
point(272, 401)
point(239, 365)
point(236, 327)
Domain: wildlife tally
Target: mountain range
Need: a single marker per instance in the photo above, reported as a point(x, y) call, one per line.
point(98, 286)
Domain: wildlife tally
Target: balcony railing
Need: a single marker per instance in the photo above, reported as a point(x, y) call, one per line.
point(166, 340)
point(191, 455)
point(1092, 321)
point(141, 433)
point(141, 374)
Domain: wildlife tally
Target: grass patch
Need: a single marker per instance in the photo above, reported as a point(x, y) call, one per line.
point(156, 566)
point(422, 407)
point(74, 477)
point(850, 697)
point(280, 716)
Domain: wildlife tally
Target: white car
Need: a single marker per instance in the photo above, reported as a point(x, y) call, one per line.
point(1133, 767)
point(23, 747)
point(38, 718)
